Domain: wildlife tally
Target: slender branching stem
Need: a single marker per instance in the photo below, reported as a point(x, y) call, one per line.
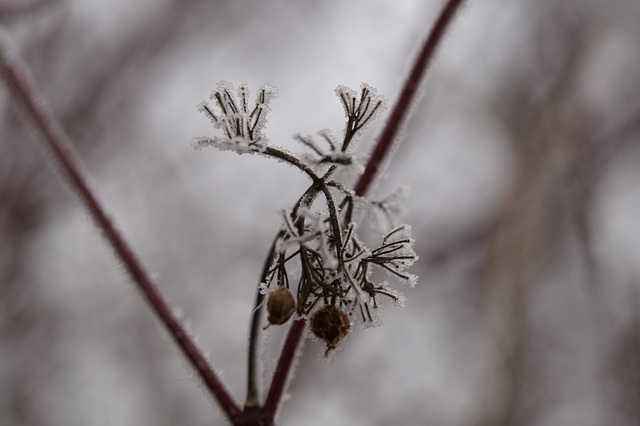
point(252, 400)
point(333, 219)
point(288, 158)
point(19, 82)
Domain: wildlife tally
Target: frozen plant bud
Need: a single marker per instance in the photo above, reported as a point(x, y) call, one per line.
point(331, 325)
point(280, 305)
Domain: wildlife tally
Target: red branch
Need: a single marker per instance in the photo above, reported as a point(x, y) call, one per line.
point(381, 150)
point(280, 376)
point(18, 80)
point(407, 96)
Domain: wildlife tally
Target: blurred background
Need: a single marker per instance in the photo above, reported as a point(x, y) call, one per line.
point(523, 155)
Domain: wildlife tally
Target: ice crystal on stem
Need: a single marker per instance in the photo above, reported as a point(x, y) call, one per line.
point(360, 109)
point(318, 253)
point(242, 126)
point(383, 214)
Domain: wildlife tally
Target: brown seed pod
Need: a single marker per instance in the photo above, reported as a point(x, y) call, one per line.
point(280, 305)
point(331, 325)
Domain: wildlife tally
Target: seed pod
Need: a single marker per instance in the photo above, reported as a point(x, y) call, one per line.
point(280, 305)
point(331, 325)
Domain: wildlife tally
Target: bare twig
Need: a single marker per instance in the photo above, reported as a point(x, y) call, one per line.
point(280, 376)
point(19, 82)
point(407, 96)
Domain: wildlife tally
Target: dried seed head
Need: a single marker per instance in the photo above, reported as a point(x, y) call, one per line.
point(280, 305)
point(331, 325)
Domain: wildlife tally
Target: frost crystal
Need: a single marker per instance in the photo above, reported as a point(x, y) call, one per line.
point(385, 214)
point(318, 252)
point(241, 126)
point(360, 109)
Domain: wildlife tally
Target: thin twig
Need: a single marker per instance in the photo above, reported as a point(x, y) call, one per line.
point(19, 82)
point(407, 96)
point(381, 150)
point(252, 400)
point(281, 375)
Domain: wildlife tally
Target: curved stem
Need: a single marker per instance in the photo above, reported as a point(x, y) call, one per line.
point(252, 400)
point(279, 154)
point(18, 79)
point(334, 219)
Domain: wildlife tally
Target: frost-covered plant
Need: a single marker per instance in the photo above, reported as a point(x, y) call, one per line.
point(317, 248)
point(317, 253)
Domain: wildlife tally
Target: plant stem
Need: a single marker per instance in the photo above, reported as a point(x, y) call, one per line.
point(252, 400)
point(285, 362)
point(19, 82)
point(407, 96)
point(281, 155)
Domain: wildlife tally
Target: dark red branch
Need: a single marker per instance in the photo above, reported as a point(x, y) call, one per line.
point(281, 375)
point(407, 96)
point(19, 82)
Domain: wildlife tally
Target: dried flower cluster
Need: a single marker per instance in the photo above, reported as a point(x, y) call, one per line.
point(317, 251)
